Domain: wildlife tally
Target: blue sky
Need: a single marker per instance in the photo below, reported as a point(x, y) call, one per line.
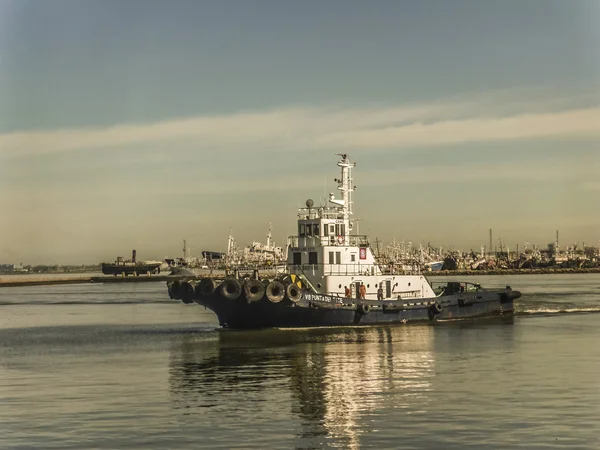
point(132, 124)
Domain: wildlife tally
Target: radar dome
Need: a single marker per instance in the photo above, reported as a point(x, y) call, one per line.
point(309, 203)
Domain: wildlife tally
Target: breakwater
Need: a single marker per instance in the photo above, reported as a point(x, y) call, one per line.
point(32, 280)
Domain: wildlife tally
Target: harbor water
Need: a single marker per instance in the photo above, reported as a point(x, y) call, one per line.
point(110, 366)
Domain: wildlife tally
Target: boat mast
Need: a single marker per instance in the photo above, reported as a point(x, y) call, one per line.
point(269, 236)
point(345, 186)
point(230, 244)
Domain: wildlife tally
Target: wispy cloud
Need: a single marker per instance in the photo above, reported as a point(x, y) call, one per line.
point(580, 173)
point(582, 123)
point(483, 119)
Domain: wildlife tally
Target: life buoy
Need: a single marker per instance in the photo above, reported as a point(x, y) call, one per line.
point(340, 239)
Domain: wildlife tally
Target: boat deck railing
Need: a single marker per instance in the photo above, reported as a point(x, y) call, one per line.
point(454, 287)
point(337, 269)
point(321, 241)
point(319, 213)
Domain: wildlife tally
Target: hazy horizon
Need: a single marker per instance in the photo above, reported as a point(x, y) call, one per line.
point(137, 124)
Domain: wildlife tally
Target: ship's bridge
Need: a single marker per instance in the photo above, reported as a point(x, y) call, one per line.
point(319, 227)
point(324, 246)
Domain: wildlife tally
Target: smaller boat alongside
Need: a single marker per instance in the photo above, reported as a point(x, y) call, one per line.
point(125, 267)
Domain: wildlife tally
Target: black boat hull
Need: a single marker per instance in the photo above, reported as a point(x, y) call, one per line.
point(318, 310)
point(132, 269)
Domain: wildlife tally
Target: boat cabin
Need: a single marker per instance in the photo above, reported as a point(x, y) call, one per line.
point(332, 259)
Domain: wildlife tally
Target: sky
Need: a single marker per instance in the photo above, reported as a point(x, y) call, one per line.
point(137, 123)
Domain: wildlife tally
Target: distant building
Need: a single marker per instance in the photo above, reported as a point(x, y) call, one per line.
point(7, 267)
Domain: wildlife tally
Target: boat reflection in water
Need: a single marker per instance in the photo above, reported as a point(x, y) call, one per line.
point(363, 372)
point(338, 380)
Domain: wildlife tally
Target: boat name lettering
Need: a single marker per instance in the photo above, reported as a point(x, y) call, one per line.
point(320, 298)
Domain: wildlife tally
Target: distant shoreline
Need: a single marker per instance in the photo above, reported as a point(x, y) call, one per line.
point(14, 280)
point(45, 280)
point(548, 271)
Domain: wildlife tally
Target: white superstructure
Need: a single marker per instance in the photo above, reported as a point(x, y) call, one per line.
point(327, 253)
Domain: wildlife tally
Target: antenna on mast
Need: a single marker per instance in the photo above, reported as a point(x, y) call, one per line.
point(345, 186)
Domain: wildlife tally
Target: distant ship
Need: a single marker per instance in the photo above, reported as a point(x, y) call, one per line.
point(131, 267)
point(258, 255)
point(190, 266)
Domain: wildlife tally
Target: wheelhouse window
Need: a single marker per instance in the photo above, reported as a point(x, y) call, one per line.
point(312, 258)
point(302, 230)
point(338, 257)
point(316, 229)
point(340, 229)
point(331, 260)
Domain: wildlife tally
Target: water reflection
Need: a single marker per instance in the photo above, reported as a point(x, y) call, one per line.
point(368, 371)
point(210, 373)
point(337, 380)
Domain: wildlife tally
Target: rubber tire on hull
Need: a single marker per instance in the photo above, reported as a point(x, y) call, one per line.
point(230, 289)
point(506, 297)
point(170, 290)
point(175, 290)
point(434, 310)
point(363, 309)
point(275, 291)
point(253, 290)
point(293, 293)
point(186, 290)
point(206, 287)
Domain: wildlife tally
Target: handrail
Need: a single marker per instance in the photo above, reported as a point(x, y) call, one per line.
point(468, 286)
point(335, 241)
point(305, 280)
point(339, 269)
point(319, 213)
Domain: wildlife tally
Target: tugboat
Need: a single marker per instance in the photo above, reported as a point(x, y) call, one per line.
point(334, 279)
